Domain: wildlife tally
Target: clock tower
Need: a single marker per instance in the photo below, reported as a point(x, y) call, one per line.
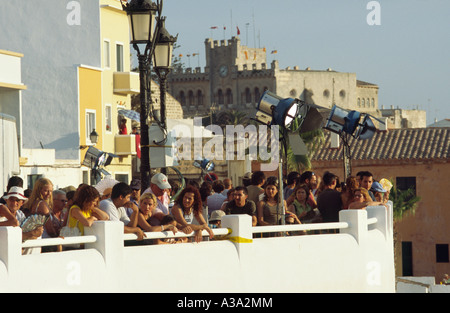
point(224, 61)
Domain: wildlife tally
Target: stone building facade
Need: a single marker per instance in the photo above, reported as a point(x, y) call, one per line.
point(236, 76)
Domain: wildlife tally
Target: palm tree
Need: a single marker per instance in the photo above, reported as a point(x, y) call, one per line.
point(300, 163)
point(404, 201)
point(231, 117)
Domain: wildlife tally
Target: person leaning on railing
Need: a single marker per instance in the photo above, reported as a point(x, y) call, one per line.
point(187, 211)
point(362, 199)
point(147, 203)
point(115, 209)
point(84, 211)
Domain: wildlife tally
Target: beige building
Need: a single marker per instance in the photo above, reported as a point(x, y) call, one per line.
point(417, 158)
point(236, 76)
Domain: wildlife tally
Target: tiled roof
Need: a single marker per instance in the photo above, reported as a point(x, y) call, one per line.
point(394, 144)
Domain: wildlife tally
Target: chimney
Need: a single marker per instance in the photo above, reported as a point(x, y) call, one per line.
point(383, 127)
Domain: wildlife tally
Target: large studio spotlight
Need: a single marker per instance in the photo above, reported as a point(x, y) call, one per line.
point(350, 123)
point(291, 114)
point(354, 123)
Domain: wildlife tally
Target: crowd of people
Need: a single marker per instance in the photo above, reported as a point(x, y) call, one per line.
point(305, 198)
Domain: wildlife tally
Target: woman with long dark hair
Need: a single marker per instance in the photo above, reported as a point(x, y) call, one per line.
point(187, 211)
point(270, 211)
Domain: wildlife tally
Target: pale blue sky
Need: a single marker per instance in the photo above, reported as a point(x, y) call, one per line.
point(408, 55)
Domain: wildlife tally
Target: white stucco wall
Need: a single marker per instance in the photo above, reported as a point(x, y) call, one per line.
point(55, 36)
point(358, 259)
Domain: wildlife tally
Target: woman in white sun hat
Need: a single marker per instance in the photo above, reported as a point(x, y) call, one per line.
point(11, 215)
point(9, 212)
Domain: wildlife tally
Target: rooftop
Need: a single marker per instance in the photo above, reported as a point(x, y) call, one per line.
point(394, 144)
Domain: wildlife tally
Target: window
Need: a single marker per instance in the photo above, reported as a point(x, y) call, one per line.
point(407, 264)
point(442, 253)
point(199, 97)
point(258, 94)
point(31, 180)
point(90, 124)
point(108, 118)
point(182, 98)
point(106, 54)
point(123, 178)
point(405, 183)
point(119, 57)
point(191, 98)
point(373, 102)
point(220, 96)
point(229, 96)
point(248, 96)
point(359, 102)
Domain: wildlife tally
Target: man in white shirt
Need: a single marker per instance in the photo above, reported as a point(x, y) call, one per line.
point(115, 208)
point(160, 187)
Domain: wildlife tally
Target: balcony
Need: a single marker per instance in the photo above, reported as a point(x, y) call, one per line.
point(125, 145)
point(126, 83)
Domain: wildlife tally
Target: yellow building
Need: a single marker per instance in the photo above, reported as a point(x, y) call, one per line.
point(106, 90)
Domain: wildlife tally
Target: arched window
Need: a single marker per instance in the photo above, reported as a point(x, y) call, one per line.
point(199, 97)
point(182, 98)
point(220, 96)
point(257, 94)
point(248, 96)
point(229, 96)
point(359, 102)
point(191, 97)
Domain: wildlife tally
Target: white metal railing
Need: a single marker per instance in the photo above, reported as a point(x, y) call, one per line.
point(306, 227)
point(58, 241)
point(299, 227)
point(169, 234)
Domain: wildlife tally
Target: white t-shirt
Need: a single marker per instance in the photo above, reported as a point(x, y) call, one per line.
point(115, 214)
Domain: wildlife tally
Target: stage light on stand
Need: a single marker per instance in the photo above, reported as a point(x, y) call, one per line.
point(359, 125)
point(294, 115)
point(349, 123)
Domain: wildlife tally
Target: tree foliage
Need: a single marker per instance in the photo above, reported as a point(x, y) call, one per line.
point(404, 201)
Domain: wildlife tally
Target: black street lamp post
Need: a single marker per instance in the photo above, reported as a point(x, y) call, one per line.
point(142, 17)
point(162, 65)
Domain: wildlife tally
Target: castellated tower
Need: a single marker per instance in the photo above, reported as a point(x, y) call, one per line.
point(235, 77)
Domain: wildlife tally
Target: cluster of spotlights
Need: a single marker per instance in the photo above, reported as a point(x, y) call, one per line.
point(295, 115)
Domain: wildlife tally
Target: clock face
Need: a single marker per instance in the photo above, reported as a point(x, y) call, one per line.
point(223, 71)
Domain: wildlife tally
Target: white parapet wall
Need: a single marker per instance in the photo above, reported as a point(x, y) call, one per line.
point(358, 258)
